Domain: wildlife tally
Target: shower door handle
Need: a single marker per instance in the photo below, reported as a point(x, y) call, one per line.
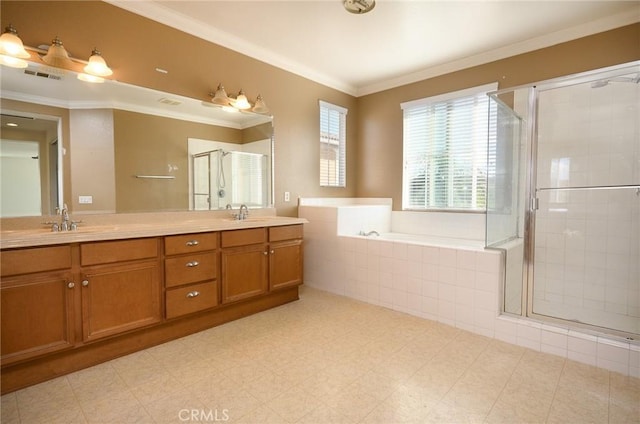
point(535, 203)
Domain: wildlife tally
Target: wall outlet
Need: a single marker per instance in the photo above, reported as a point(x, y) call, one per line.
point(287, 196)
point(85, 200)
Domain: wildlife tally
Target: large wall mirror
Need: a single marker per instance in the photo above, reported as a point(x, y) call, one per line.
point(131, 149)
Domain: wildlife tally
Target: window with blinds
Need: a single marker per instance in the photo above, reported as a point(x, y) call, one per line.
point(445, 151)
point(333, 138)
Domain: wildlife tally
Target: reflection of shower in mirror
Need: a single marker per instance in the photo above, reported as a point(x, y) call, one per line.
point(226, 175)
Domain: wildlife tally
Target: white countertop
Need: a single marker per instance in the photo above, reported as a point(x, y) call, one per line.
point(98, 228)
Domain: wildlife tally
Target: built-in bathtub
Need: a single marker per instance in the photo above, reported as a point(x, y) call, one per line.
point(446, 276)
point(427, 240)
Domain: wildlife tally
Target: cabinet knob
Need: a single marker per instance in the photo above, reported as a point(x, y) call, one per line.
point(85, 283)
point(193, 294)
point(71, 284)
point(272, 252)
point(192, 243)
point(192, 264)
point(265, 253)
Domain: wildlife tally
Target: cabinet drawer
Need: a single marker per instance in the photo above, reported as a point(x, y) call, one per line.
point(243, 237)
point(118, 251)
point(194, 298)
point(26, 261)
point(190, 268)
point(286, 232)
point(175, 245)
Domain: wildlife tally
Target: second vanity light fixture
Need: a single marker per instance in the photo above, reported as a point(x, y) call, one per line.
point(13, 54)
point(239, 103)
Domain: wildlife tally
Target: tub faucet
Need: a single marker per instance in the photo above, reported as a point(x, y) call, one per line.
point(373, 232)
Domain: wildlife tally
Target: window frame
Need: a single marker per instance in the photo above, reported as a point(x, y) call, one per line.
point(475, 92)
point(342, 145)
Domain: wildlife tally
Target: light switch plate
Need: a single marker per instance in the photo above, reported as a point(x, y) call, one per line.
point(85, 200)
point(287, 196)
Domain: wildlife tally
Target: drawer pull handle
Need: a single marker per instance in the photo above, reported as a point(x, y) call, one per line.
point(71, 284)
point(193, 294)
point(193, 243)
point(192, 264)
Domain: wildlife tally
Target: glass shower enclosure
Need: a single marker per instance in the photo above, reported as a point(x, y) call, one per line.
point(572, 239)
point(226, 177)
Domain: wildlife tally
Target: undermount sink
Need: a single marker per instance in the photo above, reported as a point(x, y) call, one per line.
point(250, 219)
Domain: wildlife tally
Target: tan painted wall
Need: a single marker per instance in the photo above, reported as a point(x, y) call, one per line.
point(134, 46)
point(380, 125)
point(147, 145)
point(92, 163)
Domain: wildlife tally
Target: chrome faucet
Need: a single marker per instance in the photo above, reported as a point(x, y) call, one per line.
point(362, 233)
point(242, 215)
point(66, 224)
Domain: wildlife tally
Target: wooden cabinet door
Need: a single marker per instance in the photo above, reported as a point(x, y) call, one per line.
point(37, 315)
point(244, 272)
point(285, 264)
point(119, 298)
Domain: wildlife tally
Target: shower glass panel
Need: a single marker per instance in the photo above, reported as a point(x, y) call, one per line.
point(505, 182)
point(587, 188)
point(233, 178)
point(201, 182)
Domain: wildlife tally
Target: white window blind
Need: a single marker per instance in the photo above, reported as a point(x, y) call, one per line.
point(333, 139)
point(445, 151)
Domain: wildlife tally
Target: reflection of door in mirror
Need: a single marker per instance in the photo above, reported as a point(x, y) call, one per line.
point(29, 167)
point(224, 174)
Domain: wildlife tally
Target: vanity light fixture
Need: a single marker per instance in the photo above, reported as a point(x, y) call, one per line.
point(57, 55)
point(241, 102)
point(95, 69)
point(238, 104)
point(220, 97)
point(260, 106)
point(12, 52)
point(97, 65)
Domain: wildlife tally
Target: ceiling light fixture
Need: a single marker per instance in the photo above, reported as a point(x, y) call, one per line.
point(12, 52)
point(359, 6)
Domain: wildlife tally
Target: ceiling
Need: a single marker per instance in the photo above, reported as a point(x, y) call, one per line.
point(398, 42)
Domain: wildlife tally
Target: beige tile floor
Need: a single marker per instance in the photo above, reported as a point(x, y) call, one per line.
point(328, 359)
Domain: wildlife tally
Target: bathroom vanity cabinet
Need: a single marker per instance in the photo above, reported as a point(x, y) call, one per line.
point(37, 301)
point(258, 260)
point(191, 273)
point(69, 306)
point(120, 285)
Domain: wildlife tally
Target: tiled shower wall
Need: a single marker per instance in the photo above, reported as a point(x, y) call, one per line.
point(587, 256)
point(459, 287)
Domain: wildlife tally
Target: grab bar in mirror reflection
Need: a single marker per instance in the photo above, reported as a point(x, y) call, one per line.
point(157, 177)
